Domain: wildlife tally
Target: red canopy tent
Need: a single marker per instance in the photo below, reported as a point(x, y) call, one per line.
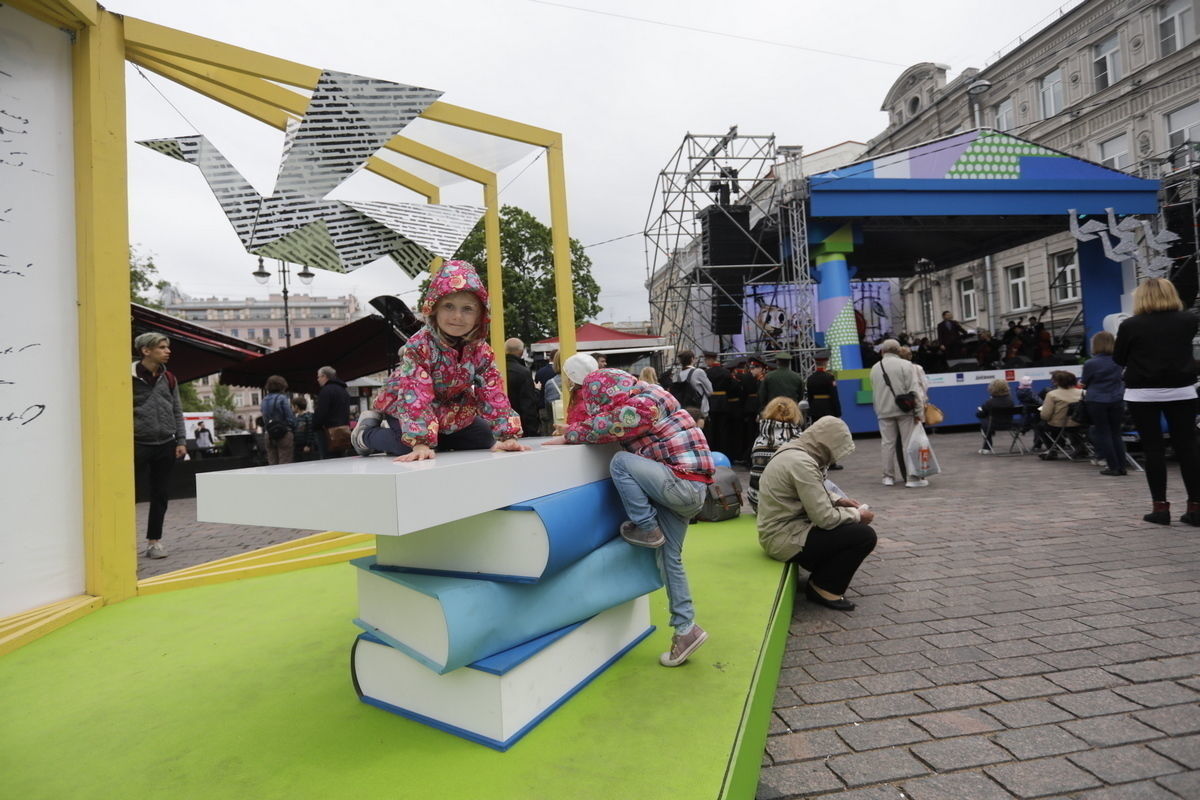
point(593, 338)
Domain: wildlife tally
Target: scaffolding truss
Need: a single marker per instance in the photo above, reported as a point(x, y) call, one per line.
point(756, 193)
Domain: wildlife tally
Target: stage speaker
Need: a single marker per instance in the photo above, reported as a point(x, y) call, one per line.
point(725, 236)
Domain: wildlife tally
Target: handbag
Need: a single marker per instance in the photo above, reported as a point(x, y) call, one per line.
point(338, 437)
point(1078, 412)
point(906, 402)
point(933, 414)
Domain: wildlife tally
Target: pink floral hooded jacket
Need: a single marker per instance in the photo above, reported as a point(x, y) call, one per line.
point(442, 383)
point(643, 418)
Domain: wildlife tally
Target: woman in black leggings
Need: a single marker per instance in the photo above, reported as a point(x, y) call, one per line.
point(1155, 347)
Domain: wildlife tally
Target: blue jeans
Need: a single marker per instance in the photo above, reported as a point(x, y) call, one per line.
point(1106, 432)
point(654, 497)
point(476, 436)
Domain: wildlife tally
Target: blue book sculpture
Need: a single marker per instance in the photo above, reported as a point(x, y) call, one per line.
point(497, 700)
point(524, 542)
point(448, 622)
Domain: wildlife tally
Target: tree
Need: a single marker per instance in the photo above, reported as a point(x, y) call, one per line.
point(143, 276)
point(223, 407)
point(528, 275)
point(189, 399)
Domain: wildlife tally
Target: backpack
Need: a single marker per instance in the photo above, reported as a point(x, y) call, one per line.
point(277, 427)
point(723, 499)
point(685, 391)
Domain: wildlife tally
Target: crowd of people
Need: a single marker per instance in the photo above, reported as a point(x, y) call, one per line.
point(448, 394)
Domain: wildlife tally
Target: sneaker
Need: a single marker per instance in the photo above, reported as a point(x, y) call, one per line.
point(156, 550)
point(888, 481)
point(639, 538)
point(366, 421)
point(985, 451)
point(916, 484)
point(682, 646)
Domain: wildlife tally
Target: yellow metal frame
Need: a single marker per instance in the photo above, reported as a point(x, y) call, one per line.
point(249, 82)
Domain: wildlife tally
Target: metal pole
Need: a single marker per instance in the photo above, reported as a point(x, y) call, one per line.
point(287, 315)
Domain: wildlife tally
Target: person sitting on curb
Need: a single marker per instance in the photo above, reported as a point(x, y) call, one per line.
point(801, 521)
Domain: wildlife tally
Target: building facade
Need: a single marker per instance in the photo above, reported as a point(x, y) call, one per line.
point(1116, 82)
point(261, 321)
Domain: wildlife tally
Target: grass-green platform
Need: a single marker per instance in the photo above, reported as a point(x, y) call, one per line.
point(243, 690)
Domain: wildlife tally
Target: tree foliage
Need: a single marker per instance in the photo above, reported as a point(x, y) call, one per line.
point(189, 399)
point(143, 277)
point(222, 397)
point(528, 275)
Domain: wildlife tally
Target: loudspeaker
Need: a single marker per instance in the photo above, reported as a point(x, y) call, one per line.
point(725, 236)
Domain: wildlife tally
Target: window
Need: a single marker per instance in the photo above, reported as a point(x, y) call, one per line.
point(1175, 26)
point(204, 381)
point(1115, 152)
point(327, 330)
point(283, 333)
point(234, 333)
point(254, 398)
point(1183, 125)
point(1051, 90)
point(925, 299)
point(966, 298)
point(1106, 62)
point(296, 333)
point(1006, 120)
point(312, 332)
point(251, 333)
point(1018, 290)
point(1064, 283)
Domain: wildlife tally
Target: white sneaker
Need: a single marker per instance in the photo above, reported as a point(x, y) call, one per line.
point(917, 484)
point(985, 452)
point(156, 550)
point(888, 481)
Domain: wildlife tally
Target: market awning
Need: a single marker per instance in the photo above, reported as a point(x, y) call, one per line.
point(364, 346)
point(592, 338)
point(196, 351)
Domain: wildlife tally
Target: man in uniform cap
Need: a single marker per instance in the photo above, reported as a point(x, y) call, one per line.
point(781, 382)
point(823, 400)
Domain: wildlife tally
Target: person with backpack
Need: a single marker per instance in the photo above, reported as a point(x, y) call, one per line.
point(691, 388)
point(279, 421)
point(159, 436)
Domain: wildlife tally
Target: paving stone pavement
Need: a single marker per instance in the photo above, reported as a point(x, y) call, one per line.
point(189, 542)
point(1020, 633)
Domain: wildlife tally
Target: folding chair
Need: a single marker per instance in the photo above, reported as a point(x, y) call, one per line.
point(1002, 421)
point(1070, 442)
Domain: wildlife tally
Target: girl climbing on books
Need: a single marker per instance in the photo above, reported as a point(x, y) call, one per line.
point(662, 474)
point(447, 393)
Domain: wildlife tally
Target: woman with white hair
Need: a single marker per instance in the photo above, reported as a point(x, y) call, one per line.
point(892, 380)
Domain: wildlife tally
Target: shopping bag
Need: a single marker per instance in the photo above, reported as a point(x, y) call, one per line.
point(918, 455)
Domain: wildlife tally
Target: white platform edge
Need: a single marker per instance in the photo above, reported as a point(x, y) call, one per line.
point(376, 495)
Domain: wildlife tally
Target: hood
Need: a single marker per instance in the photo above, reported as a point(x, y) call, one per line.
point(456, 276)
point(827, 440)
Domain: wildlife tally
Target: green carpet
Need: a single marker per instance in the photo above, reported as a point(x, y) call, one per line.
point(242, 690)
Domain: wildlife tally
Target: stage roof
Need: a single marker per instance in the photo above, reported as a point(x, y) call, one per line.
point(962, 197)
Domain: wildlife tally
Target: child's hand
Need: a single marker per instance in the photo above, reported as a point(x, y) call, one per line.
point(510, 445)
point(421, 452)
point(555, 440)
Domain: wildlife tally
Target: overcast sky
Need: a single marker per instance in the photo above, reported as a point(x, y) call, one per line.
point(622, 91)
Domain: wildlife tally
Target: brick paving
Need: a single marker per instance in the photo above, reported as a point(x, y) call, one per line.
point(1020, 633)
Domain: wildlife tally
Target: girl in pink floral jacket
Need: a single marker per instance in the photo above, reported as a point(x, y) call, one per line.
point(447, 393)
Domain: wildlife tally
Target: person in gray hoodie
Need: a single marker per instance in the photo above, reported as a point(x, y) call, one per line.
point(159, 437)
point(801, 520)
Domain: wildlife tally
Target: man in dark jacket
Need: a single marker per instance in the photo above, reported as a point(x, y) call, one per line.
point(332, 410)
point(521, 394)
point(719, 409)
point(159, 437)
point(781, 382)
point(823, 400)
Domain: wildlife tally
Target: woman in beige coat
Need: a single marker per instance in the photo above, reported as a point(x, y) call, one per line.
point(800, 520)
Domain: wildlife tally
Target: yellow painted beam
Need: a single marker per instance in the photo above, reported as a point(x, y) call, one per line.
point(81, 606)
point(237, 574)
point(251, 107)
point(143, 34)
point(386, 169)
point(299, 547)
point(495, 274)
point(486, 123)
point(560, 242)
point(67, 14)
point(102, 253)
point(294, 103)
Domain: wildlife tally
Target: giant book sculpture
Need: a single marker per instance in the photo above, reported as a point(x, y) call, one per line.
point(499, 588)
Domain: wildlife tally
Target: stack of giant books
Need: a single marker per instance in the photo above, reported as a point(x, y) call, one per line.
point(484, 626)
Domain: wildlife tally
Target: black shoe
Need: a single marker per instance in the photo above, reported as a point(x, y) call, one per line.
point(1051, 456)
point(1112, 472)
point(841, 604)
point(836, 466)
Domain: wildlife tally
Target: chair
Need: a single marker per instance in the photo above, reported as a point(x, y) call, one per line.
point(1005, 420)
point(1070, 442)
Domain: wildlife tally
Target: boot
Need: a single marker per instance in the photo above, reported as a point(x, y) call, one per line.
point(1192, 517)
point(1161, 515)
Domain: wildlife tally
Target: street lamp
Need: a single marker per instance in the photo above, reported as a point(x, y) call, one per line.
point(974, 92)
point(306, 277)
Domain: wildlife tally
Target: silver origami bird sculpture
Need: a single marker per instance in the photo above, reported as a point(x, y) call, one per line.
point(348, 119)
